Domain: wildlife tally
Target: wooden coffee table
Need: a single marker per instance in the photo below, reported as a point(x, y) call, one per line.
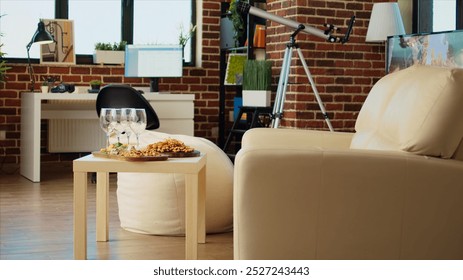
point(194, 169)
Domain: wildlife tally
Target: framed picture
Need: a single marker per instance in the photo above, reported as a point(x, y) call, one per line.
point(235, 67)
point(441, 49)
point(62, 50)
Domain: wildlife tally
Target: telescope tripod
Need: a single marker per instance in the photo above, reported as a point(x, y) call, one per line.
point(277, 113)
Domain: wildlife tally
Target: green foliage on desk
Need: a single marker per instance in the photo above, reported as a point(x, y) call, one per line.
point(96, 82)
point(100, 46)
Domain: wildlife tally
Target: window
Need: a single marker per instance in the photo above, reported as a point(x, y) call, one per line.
point(19, 22)
point(160, 22)
point(436, 15)
point(444, 15)
point(134, 21)
point(103, 26)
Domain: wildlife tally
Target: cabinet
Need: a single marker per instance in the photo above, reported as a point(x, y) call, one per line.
point(225, 50)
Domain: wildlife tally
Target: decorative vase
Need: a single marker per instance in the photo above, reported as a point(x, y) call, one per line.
point(256, 98)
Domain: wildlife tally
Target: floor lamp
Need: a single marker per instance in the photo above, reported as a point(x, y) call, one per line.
point(385, 20)
point(41, 36)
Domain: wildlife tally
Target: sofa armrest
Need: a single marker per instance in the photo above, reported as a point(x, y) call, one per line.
point(316, 203)
point(274, 138)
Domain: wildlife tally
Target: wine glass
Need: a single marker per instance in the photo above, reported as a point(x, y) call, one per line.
point(105, 121)
point(138, 123)
point(116, 124)
point(125, 121)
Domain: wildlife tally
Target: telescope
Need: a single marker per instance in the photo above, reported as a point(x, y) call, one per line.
point(245, 8)
point(277, 114)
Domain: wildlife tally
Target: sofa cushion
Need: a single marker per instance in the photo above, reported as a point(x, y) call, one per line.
point(417, 110)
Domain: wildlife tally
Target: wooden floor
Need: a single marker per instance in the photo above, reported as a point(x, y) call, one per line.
point(36, 223)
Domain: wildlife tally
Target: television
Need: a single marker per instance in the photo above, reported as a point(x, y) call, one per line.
point(153, 61)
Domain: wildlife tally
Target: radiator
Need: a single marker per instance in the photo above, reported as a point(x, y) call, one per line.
point(73, 125)
point(68, 136)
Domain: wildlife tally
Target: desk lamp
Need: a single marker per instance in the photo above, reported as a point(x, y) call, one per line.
point(41, 36)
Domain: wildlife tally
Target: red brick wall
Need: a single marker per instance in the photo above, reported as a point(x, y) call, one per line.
point(343, 74)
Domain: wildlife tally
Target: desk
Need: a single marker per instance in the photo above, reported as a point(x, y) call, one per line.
point(195, 197)
point(175, 112)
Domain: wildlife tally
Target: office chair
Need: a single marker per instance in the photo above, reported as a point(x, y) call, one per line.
point(124, 96)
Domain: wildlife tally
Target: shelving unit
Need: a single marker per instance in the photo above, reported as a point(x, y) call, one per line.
point(254, 117)
point(250, 23)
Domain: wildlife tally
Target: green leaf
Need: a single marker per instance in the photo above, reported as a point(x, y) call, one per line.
point(257, 75)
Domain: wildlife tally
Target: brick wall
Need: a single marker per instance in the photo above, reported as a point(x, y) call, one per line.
point(343, 74)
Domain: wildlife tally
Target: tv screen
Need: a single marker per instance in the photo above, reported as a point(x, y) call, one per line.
point(152, 61)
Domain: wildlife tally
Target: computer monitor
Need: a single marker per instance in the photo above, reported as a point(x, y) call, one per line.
point(153, 61)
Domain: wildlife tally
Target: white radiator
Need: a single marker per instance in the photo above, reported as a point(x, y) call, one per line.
point(68, 136)
point(73, 125)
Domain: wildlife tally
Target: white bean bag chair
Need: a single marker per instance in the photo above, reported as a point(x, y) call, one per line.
point(154, 203)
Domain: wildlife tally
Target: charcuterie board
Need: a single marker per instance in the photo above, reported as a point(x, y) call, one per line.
point(194, 153)
point(128, 158)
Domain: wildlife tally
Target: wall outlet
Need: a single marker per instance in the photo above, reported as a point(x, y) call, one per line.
point(2, 135)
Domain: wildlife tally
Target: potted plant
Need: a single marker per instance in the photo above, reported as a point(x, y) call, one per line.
point(48, 83)
point(95, 85)
point(257, 77)
point(185, 36)
point(107, 53)
point(44, 86)
point(238, 23)
point(3, 67)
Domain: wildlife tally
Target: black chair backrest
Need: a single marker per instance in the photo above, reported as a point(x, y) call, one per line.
point(123, 96)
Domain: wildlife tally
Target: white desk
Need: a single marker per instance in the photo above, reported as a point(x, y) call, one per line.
point(175, 112)
point(195, 197)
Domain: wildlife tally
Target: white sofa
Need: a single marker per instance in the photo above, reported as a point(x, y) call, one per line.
point(155, 203)
point(391, 190)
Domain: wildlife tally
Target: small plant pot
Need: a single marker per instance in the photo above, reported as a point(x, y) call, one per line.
point(95, 87)
point(108, 57)
point(256, 98)
point(44, 89)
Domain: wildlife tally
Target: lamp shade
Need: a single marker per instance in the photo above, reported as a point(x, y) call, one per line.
point(385, 21)
point(41, 36)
